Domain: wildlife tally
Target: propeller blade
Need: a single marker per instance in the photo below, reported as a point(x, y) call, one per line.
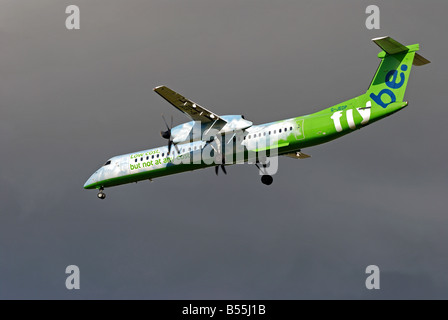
point(223, 169)
point(166, 134)
point(216, 169)
point(164, 120)
point(170, 143)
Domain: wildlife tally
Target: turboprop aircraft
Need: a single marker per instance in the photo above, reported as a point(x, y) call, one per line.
point(210, 140)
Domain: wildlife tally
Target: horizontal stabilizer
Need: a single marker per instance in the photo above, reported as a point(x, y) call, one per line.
point(392, 46)
point(420, 61)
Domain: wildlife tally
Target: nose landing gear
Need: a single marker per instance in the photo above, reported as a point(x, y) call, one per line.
point(101, 195)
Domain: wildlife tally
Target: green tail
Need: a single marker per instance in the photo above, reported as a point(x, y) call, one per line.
point(391, 79)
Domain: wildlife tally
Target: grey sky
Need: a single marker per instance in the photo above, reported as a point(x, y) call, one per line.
point(71, 99)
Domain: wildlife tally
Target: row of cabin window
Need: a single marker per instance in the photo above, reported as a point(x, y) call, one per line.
point(195, 148)
point(147, 157)
point(163, 154)
point(269, 133)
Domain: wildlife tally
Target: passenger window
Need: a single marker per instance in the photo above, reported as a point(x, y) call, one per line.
point(290, 128)
point(189, 149)
point(249, 136)
point(269, 133)
point(259, 134)
point(152, 157)
point(275, 131)
point(163, 154)
point(135, 160)
point(244, 138)
point(286, 129)
point(264, 134)
point(141, 159)
point(147, 157)
point(280, 131)
point(157, 155)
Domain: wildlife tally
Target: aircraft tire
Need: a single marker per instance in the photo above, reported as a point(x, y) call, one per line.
point(267, 179)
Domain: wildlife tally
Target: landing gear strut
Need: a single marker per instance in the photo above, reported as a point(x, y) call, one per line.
point(101, 195)
point(267, 179)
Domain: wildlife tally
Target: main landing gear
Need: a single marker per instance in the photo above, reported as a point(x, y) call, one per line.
point(266, 179)
point(101, 195)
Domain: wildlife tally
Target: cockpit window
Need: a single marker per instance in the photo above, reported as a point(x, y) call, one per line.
point(107, 163)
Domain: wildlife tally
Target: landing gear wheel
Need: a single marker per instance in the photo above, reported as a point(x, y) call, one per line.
point(101, 195)
point(267, 179)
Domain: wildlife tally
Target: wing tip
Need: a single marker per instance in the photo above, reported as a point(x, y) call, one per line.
point(158, 87)
point(380, 38)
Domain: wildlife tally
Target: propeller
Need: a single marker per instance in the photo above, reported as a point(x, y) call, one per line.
point(167, 134)
point(217, 150)
point(222, 167)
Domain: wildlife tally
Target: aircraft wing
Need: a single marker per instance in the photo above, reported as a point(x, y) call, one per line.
point(297, 155)
point(191, 109)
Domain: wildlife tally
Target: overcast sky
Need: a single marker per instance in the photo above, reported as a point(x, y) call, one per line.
point(69, 100)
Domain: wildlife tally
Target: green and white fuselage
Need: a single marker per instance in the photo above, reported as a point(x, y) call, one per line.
point(236, 140)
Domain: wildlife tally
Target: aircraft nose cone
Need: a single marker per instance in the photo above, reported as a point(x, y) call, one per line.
point(90, 182)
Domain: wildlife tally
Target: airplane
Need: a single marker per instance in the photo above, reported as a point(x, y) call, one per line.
point(212, 140)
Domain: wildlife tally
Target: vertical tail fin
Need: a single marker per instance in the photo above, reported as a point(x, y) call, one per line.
point(391, 79)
